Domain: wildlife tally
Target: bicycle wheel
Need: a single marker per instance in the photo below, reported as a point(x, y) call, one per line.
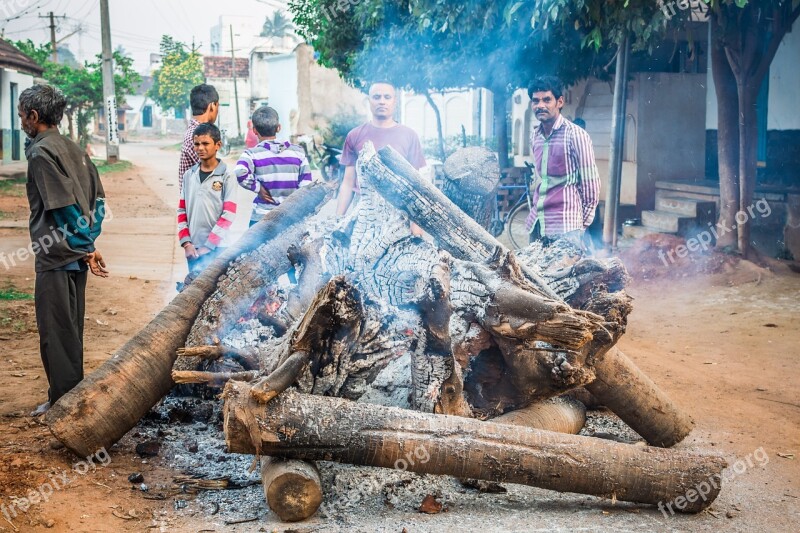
point(515, 226)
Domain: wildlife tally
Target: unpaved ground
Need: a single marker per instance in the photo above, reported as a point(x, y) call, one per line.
point(724, 345)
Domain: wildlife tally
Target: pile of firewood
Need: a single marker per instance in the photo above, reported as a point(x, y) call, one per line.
point(496, 340)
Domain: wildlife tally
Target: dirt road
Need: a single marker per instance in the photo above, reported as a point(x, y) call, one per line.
point(724, 346)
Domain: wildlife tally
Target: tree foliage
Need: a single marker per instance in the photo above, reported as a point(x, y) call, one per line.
point(279, 25)
point(181, 69)
point(82, 85)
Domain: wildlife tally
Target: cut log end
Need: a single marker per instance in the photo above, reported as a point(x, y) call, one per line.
point(293, 489)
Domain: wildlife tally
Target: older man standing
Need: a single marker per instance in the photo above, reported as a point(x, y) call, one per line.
point(566, 190)
point(67, 209)
point(382, 131)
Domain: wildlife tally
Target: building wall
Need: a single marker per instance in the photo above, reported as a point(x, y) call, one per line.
point(671, 136)
point(664, 130)
point(227, 107)
point(8, 110)
point(322, 94)
point(457, 108)
point(282, 92)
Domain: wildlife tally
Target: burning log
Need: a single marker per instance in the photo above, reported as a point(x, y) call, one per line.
point(471, 177)
point(318, 428)
point(111, 400)
point(293, 488)
point(248, 359)
point(402, 186)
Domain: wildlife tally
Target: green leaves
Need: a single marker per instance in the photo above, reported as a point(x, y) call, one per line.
point(181, 69)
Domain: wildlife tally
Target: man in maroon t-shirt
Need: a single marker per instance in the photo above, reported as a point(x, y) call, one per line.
point(382, 131)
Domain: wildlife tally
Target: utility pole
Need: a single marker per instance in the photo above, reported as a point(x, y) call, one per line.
point(53, 42)
point(110, 100)
point(235, 86)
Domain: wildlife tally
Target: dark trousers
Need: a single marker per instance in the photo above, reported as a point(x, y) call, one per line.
point(60, 308)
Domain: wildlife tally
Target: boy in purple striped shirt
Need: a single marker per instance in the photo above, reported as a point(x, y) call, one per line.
point(271, 169)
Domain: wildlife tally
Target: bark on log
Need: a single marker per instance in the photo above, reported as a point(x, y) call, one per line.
point(319, 428)
point(111, 400)
point(626, 390)
point(471, 177)
point(561, 415)
point(293, 488)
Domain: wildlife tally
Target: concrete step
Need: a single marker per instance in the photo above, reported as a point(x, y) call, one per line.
point(667, 222)
point(690, 207)
point(637, 232)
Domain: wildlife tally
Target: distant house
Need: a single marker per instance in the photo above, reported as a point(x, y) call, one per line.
point(231, 78)
point(17, 73)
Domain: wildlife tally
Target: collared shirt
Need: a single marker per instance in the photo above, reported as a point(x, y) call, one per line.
point(64, 190)
point(207, 208)
point(279, 167)
point(189, 157)
point(565, 198)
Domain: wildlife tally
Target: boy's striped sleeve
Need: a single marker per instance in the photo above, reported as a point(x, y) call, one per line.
point(245, 172)
point(183, 222)
point(225, 220)
point(304, 177)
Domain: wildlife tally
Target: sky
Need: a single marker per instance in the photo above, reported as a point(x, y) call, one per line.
point(135, 25)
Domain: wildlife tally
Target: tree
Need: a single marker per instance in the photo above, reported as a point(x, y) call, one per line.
point(181, 69)
point(745, 36)
point(434, 45)
point(82, 85)
point(278, 26)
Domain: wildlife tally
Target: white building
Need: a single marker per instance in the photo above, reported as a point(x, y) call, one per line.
point(17, 72)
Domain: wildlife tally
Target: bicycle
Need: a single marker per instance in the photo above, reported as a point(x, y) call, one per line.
point(326, 158)
point(513, 223)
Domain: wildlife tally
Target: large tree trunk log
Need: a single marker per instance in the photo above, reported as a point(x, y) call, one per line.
point(317, 428)
point(293, 489)
point(110, 401)
point(471, 179)
point(624, 389)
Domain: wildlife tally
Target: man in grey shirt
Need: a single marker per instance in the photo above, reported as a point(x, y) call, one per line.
point(67, 209)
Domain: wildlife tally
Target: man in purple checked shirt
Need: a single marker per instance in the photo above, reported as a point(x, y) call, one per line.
point(271, 169)
point(566, 185)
